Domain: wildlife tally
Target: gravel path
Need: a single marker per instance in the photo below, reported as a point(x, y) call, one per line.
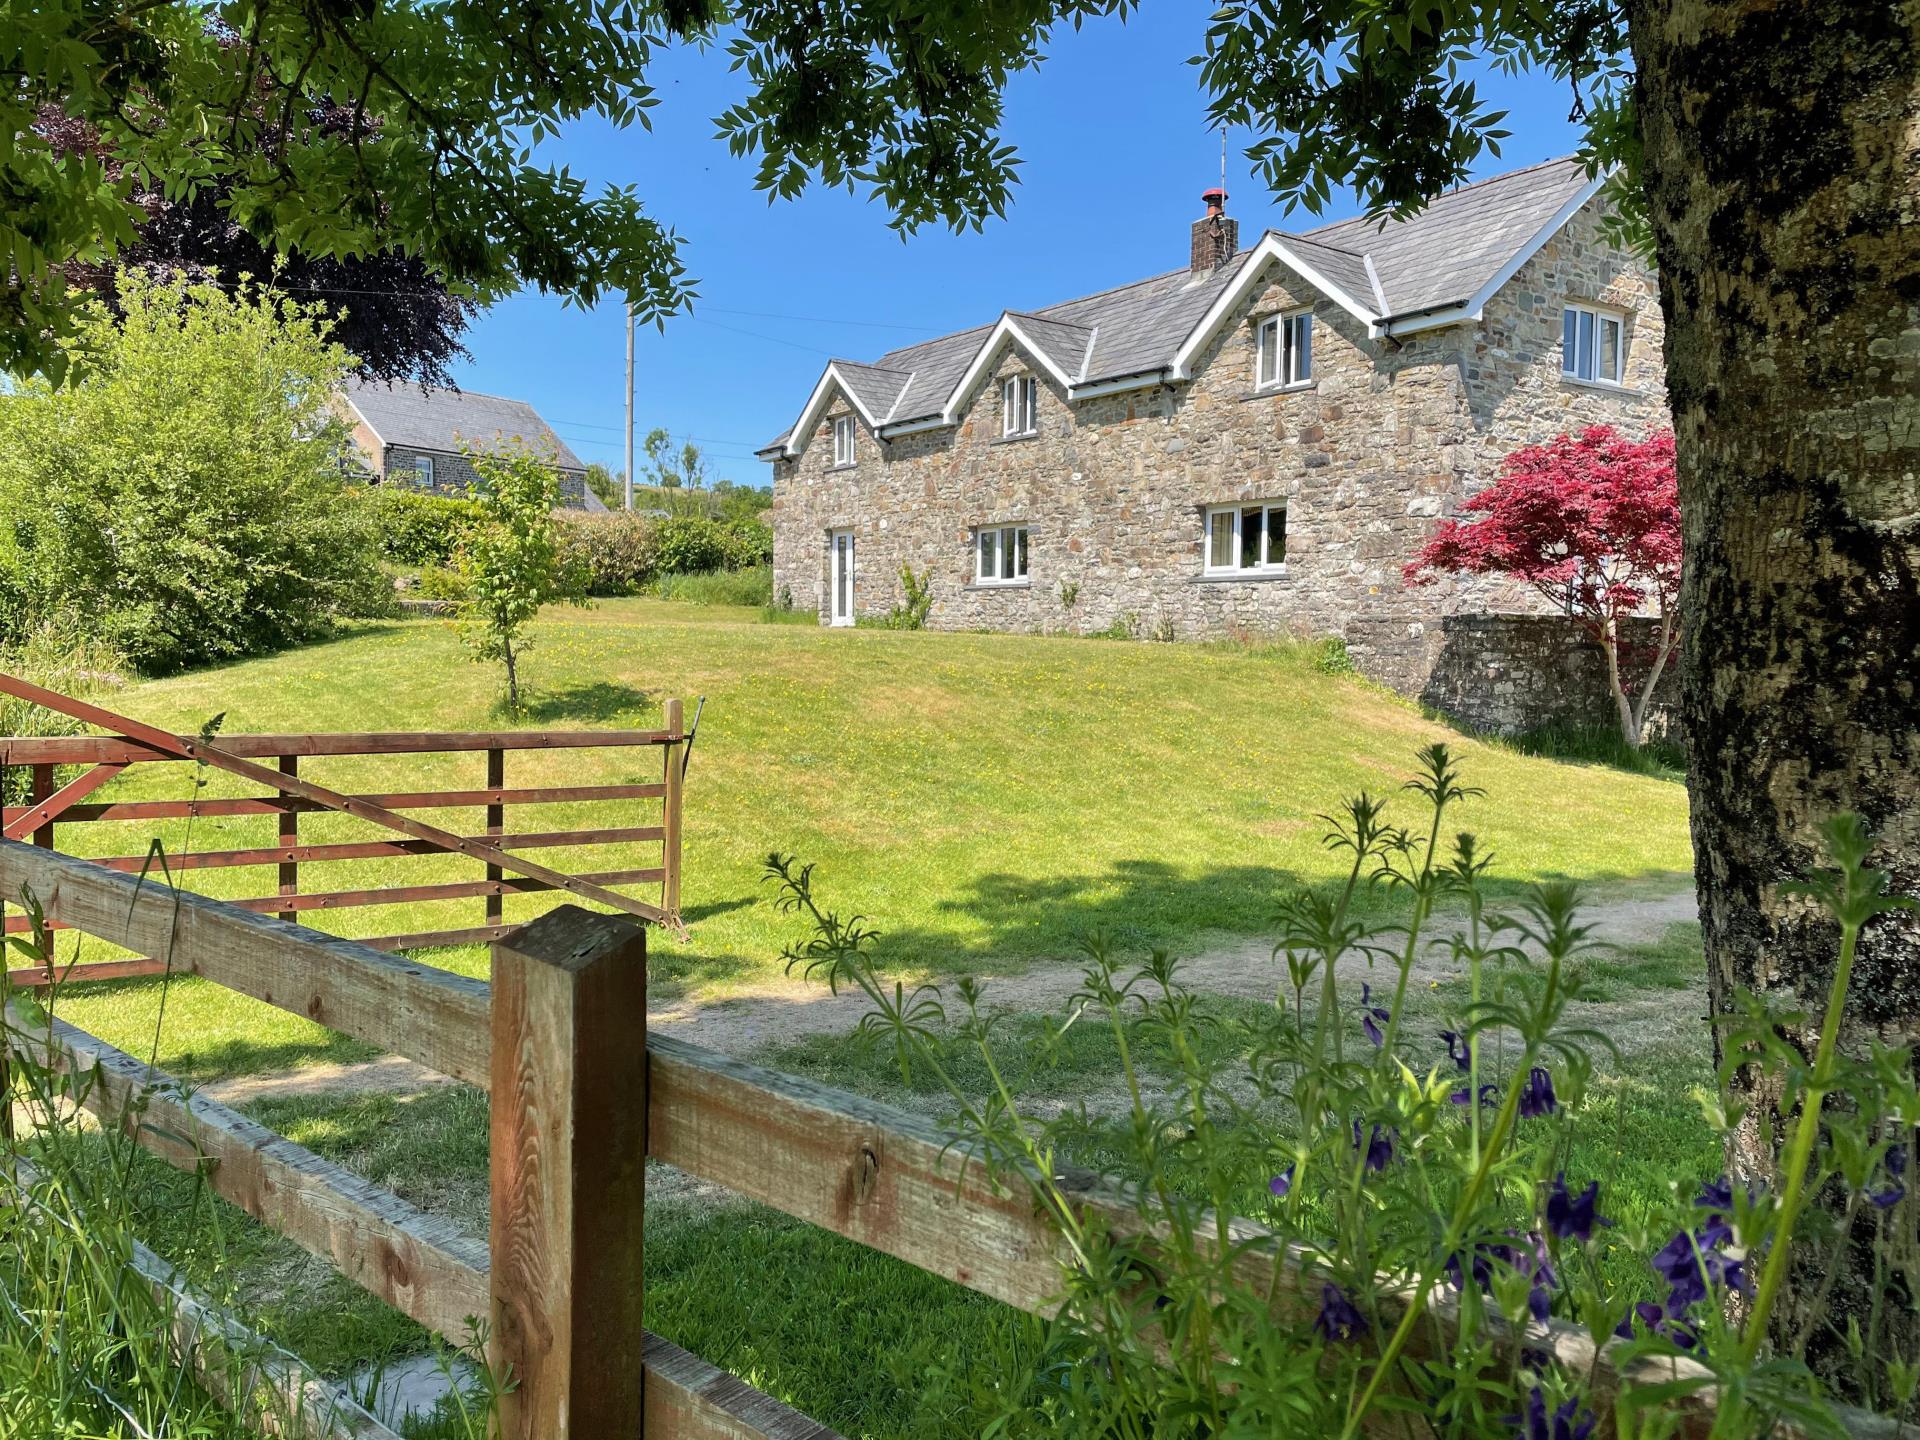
point(777, 1011)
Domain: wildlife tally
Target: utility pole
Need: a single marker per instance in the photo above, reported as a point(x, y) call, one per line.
point(629, 499)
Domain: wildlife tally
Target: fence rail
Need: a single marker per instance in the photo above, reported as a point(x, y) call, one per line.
point(576, 1104)
point(52, 808)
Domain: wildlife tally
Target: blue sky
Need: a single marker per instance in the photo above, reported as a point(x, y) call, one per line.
point(1112, 130)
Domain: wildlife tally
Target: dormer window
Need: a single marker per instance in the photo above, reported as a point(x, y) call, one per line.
point(1019, 406)
point(1284, 346)
point(843, 434)
point(1592, 344)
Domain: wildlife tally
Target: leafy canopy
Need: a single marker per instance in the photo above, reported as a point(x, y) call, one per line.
point(510, 560)
point(1591, 522)
point(447, 104)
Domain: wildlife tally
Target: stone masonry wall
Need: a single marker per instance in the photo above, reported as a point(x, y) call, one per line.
point(1388, 436)
point(1509, 674)
point(453, 474)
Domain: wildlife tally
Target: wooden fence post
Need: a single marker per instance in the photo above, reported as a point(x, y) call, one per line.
point(568, 1156)
point(289, 837)
point(42, 789)
point(675, 753)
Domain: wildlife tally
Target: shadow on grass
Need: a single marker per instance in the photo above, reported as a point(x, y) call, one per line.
point(601, 701)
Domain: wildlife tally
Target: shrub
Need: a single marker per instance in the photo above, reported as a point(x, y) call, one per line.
point(916, 599)
point(1429, 1250)
point(686, 544)
point(416, 529)
point(617, 552)
point(752, 586)
point(180, 496)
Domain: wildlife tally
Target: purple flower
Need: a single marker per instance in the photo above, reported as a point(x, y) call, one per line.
point(1369, 1013)
point(1338, 1319)
point(1659, 1320)
point(1570, 1421)
point(1489, 1095)
point(1458, 1049)
point(1379, 1147)
point(1282, 1183)
point(1895, 1163)
point(1536, 1096)
point(1529, 1257)
point(1691, 1262)
point(1570, 1216)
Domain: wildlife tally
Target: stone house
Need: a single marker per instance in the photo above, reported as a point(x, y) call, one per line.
point(1256, 442)
point(409, 435)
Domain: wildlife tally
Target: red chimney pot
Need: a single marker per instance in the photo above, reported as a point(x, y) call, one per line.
point(1216, 200)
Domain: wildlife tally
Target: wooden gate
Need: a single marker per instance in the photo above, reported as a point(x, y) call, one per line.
point(644, 811)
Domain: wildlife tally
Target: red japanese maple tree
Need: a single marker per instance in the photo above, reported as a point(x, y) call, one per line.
point(1591, 522)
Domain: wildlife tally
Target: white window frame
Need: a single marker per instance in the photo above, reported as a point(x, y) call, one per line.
point(1230, 565)
point(423, 471)
point(1019, 406)
point(1001, 555)
point(1292, 351)
point(845, 434)
point(1580, 360)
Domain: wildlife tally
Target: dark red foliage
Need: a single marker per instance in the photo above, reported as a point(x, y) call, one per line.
point(1591, 521)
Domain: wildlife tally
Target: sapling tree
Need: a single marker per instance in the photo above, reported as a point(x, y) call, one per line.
point(511, 560)
point(1592, 523)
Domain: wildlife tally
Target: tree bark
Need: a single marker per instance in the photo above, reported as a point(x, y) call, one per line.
point(1780, 166)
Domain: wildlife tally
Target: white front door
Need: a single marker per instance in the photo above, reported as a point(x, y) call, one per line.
point(841, 542)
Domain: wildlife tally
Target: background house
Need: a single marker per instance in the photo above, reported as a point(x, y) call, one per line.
point(1257, 441)
point(409, 435)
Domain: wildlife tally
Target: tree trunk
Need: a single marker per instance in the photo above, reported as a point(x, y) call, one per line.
point(1629, 723)
point(1780, 174)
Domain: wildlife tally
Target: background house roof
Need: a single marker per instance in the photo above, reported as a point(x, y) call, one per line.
point(1441, 256)
point(449, 420)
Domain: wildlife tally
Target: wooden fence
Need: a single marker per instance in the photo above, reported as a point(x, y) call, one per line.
point(580, 1094)
point(52, 807)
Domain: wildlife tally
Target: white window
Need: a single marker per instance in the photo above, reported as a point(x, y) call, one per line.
point(423, 471)
point(1252, 536)
point(1019, 406)
point(1285, 345)
point(1592, 344)
point(1000, 555)
point(843, 433)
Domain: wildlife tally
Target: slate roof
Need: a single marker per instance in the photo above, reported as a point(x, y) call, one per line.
point(1391, 269)
point(449, 420)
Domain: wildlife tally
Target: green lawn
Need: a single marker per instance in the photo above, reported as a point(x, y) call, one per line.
point(986, 799)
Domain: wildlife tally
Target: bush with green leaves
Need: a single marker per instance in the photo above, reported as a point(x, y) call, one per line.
point(1344, 1224)
point(616, 552)
point(418, 530)
point(180, 495)
point(510, 562)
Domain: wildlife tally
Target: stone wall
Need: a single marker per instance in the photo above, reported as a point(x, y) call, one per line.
point(453, 474)
point(1388, 436)
point(1508, 674)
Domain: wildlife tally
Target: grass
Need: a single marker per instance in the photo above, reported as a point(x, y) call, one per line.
point(992, 798)
point(750, 587)
point(863, 1343)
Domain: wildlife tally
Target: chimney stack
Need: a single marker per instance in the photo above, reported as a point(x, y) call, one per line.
point(1216, 239)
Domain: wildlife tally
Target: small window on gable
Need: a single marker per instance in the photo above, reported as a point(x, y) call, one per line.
point(1000, 555)
point(843, 436)
point(1284, 348)
point(1020, 406)
point(1592, 344)
point(1251, 536)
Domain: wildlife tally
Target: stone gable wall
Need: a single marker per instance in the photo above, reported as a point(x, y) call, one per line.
point(1388, 436)
point(453, 474)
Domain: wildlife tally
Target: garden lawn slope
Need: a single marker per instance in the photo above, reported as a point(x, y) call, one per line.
point(985, 799)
